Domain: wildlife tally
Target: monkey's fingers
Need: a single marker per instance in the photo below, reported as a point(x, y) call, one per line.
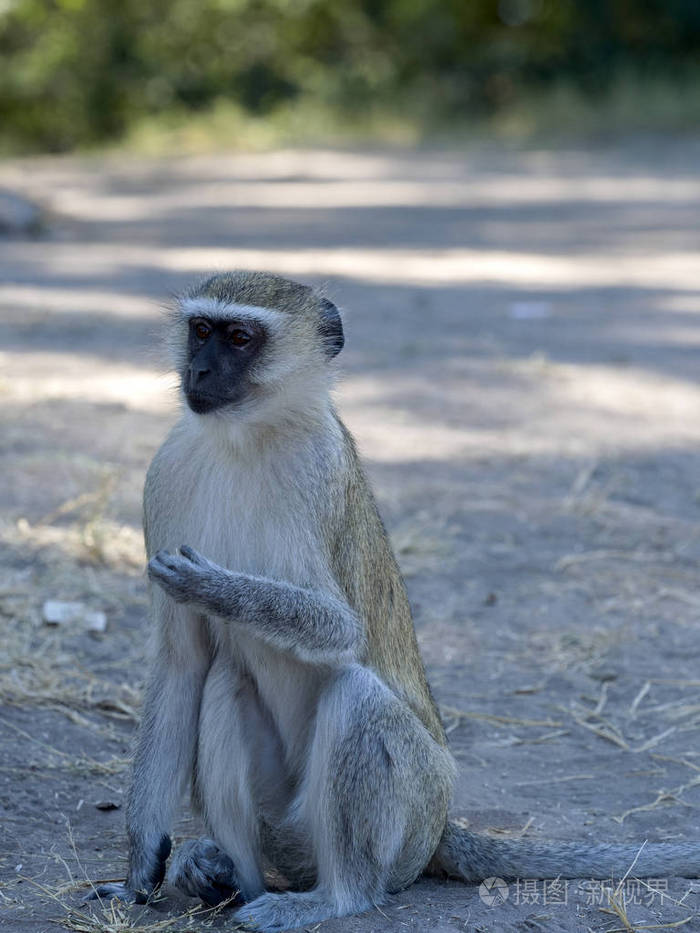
point(170, 572)
point(167, 559)
point(165, 565)
point(194, 556)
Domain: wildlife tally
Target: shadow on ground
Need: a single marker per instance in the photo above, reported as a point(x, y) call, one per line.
point(521, 374)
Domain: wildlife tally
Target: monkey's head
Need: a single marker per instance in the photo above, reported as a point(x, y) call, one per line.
point(244, 341)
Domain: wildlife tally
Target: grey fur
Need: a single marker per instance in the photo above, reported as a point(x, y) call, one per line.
point(472, 858)
point(201, 869)
point(309, 624)
point(287, 685)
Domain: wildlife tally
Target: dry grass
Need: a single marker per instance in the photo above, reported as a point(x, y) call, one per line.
point(115, 917)
point(102, 916)
point(82, 528)
point(618, 907)
point(454, 716)
point(101, 542)
point(39, 665)
point(663, 798)
point(605, 728)
point(36, 670)
point(617, 904)
point(55, 759)
point(573, 650)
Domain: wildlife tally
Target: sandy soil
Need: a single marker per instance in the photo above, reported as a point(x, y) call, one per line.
point(521, 373)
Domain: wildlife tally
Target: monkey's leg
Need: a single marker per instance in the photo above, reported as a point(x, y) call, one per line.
point(165, 747)
point(374, 797)
point(231, 773)
point(200, 869)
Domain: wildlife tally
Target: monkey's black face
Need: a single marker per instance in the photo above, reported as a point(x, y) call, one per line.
point(220, 354)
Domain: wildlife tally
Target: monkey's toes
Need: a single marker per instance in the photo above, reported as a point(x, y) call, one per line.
point(200, 869)
point(113, 890)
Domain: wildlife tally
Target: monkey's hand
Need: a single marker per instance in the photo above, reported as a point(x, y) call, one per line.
point(188, 577)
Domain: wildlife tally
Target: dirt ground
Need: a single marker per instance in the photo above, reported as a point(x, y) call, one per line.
point(522, 374)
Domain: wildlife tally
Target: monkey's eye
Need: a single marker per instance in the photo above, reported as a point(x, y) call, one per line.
point(238, 337)
point(201, 330)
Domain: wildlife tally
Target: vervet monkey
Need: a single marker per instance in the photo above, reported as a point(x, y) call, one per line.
point(287, 687)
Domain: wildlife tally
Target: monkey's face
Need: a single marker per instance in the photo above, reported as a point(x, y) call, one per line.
point(221, 354)
point(254, 346)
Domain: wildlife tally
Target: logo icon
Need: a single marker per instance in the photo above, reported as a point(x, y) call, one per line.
point(493, 891)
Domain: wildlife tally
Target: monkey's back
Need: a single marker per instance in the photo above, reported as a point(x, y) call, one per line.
point(365, 567)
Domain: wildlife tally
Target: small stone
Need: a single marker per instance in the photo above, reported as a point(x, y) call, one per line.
point(57, 612)
point(96, 622)
point(107, 805)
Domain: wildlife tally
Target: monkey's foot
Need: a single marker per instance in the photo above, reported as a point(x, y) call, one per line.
point(146, 872)
point(118, 890)
point(273, 913)
point(200, 869)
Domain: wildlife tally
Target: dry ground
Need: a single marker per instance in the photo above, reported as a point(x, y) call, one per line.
point(521, 372)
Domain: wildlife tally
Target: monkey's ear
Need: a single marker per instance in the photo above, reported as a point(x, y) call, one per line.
point(331, 328)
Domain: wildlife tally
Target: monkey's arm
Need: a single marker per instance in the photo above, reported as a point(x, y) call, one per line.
point(313, 625)
point(165, 747)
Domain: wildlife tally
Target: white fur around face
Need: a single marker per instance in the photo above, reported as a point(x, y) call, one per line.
point(292, 376)
point(216, 311)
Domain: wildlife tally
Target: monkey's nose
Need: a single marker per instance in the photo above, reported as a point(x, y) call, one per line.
point(199, 374)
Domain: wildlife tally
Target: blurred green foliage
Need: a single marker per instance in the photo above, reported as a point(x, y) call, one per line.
point(77, 72)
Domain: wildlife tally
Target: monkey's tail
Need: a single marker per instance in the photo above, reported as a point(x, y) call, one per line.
point(472, 857)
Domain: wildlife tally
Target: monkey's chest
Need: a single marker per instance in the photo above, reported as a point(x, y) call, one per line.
point(256, 526)
point(249, 523)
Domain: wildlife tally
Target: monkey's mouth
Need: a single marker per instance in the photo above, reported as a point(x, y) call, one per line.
point(201, 403)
